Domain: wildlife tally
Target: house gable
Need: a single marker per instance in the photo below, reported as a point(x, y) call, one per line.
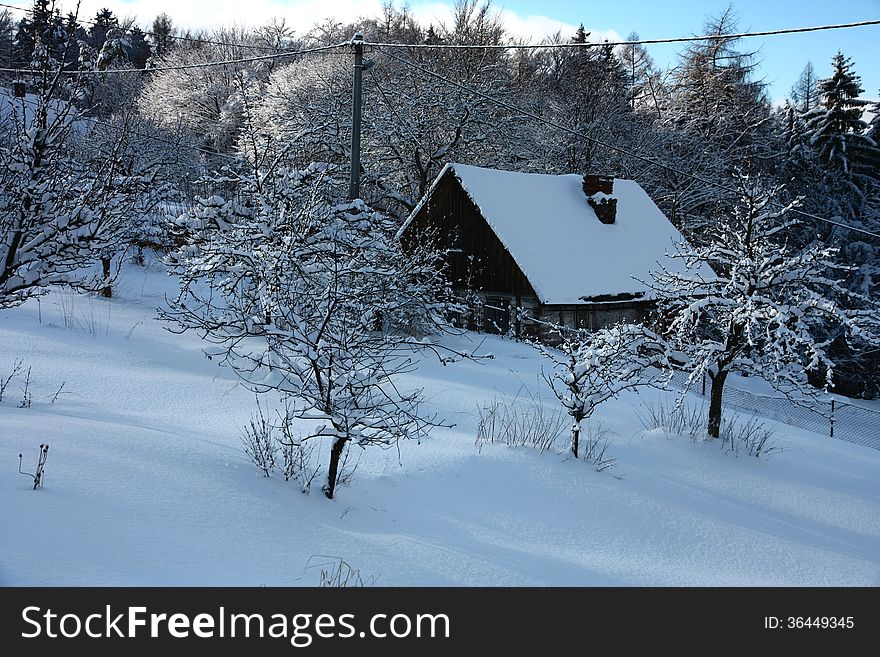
point(477, 258)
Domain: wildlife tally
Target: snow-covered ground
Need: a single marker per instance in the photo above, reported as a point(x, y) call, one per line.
point(147, 482)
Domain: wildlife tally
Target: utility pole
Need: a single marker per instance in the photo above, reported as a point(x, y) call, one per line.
point(354, 189)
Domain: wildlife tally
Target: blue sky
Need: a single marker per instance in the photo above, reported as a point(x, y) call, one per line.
point(782, 57)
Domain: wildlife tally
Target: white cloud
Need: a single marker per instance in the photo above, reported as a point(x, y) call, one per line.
point(302, 14)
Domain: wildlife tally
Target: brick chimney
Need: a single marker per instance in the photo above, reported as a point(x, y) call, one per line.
point(598, 190)
point(594, 184)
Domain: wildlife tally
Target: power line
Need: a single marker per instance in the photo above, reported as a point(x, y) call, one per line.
point(182, 67)
point(143, 135)
point(391, 107)
point(623, 151)
point(164, 36)
point(532, 46)
point(537, 46)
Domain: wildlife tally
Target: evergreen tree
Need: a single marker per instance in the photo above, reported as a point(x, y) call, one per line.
point(139, 50)
point(162, 34)
point(103, 23)
point(41, 25)
point(835, 128)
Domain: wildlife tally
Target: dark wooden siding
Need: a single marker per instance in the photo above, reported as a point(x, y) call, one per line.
point(459, 227)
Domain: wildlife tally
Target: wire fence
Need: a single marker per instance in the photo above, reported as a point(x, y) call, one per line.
point(833, 417)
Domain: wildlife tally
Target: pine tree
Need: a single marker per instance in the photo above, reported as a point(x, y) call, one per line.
point(139, 51)
point(103, 23)
point(835, 129)
point(162, 34)
point(43, 26)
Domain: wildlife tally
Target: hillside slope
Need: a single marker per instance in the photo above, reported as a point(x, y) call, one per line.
point(147, 483)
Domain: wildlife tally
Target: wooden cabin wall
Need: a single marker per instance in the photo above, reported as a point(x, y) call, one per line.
point(461, 228)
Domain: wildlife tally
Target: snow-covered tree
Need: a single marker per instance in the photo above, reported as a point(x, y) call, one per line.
point(207, 100)
point(586, 88)
point(7, 39)
point(308, 296)
point(104, 22)
point(59, 211)
point(870, 153)
point(305, 112)
point(835, 128)
point(771, 310)
point(716, 96)
point(418, 123)
point(590, 368)
point(413, 123)
point(43, 23)
point(640, 71)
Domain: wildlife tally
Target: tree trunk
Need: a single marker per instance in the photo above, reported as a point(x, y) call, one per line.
point(107, 291)
point(715, 402)
point(335, 453)
point(575, 438)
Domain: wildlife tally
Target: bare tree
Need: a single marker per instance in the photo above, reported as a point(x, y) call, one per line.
point(303, 294)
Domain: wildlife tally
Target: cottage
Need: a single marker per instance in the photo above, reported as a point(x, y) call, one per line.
point(573, 250)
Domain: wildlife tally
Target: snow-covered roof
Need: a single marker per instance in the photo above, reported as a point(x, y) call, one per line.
point(568, 255)
point(28, 104)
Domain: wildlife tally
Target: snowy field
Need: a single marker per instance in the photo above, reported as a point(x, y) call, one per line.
point(147, 482)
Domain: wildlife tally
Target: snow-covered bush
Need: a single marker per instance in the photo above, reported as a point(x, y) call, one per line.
point(590, 368)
